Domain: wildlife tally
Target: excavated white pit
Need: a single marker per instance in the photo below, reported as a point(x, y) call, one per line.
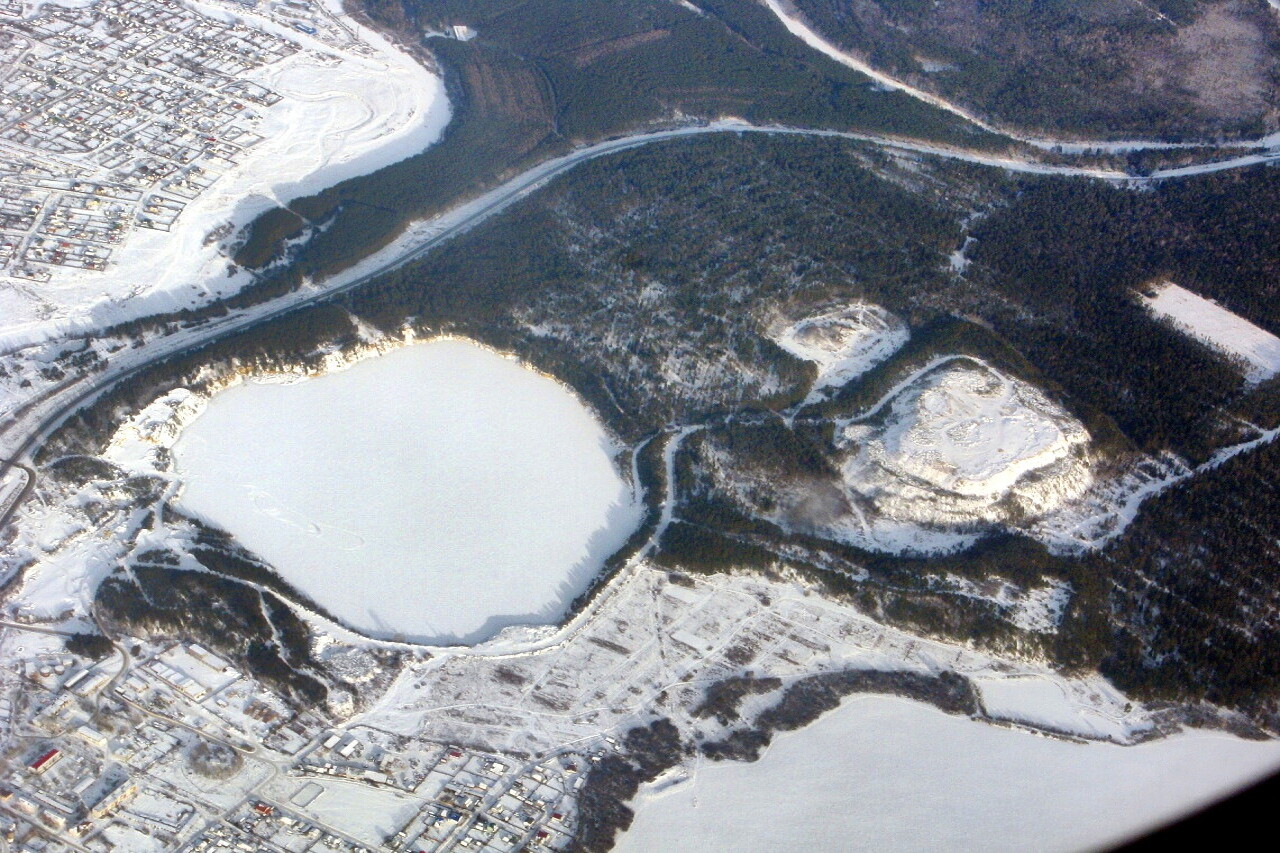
point(843, 343)
point(967, 443)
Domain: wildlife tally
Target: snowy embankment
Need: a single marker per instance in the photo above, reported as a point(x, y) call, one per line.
point(11, 486)
point(344, 112)
point(886, 773)
point(1215, 326)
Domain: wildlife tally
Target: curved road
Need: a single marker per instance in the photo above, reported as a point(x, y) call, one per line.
point(29, 425)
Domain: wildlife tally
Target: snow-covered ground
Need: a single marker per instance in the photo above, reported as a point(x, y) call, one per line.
point(1210, 323)
point(345, 112)
point(962, 440)
point(843, 343)
point(888, 774)
point(140, 444)
point(440, 492)
point(1055, 705)
point(370, 814)
point(1038, 610)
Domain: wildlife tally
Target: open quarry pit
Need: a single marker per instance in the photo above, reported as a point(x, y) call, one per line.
point(438, 493)
point(843, 343)
point(966, 443)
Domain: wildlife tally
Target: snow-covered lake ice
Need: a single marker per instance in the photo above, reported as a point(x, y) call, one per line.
point(883, 773)
point(440, 492)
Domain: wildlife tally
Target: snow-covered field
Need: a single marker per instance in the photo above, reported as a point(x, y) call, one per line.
point(883, 773)
point(1054, 705)
point(440, 492)
point(345, 112)
point(843, 343)
point(369, 814)
point(960, 440)
point(1217, 327)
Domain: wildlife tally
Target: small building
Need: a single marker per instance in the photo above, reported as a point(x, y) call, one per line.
point(93, 736)
point(45, 761)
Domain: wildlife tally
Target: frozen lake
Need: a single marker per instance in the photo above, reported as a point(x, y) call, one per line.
point(883, 773)
point(440, 492)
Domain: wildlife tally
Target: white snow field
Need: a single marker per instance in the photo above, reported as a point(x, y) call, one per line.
point(961, 440)
point(1215, 326)
point(345, 112)
point(843, 343)
point(439, 493)
point(883, 773)
point(370, 814)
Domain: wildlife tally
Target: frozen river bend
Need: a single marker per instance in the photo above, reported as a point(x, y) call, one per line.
point(439, 493)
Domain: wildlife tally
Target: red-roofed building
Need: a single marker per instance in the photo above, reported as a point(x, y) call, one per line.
point(45, 761)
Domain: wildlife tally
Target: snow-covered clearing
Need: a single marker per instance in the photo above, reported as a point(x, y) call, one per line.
point(346, 110)
point(843, 343)
point(369, 814)
point(71, 560)
point(439, 492)
point(1210, 323)
point(160, 809)
point(884, 773)
point(959, 442)
point(646, 636)
point(958, 260)
point(1055, 705)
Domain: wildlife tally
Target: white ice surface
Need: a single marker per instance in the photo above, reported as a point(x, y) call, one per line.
point(884, 773)
point(1214, 325)
point(440, 492)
